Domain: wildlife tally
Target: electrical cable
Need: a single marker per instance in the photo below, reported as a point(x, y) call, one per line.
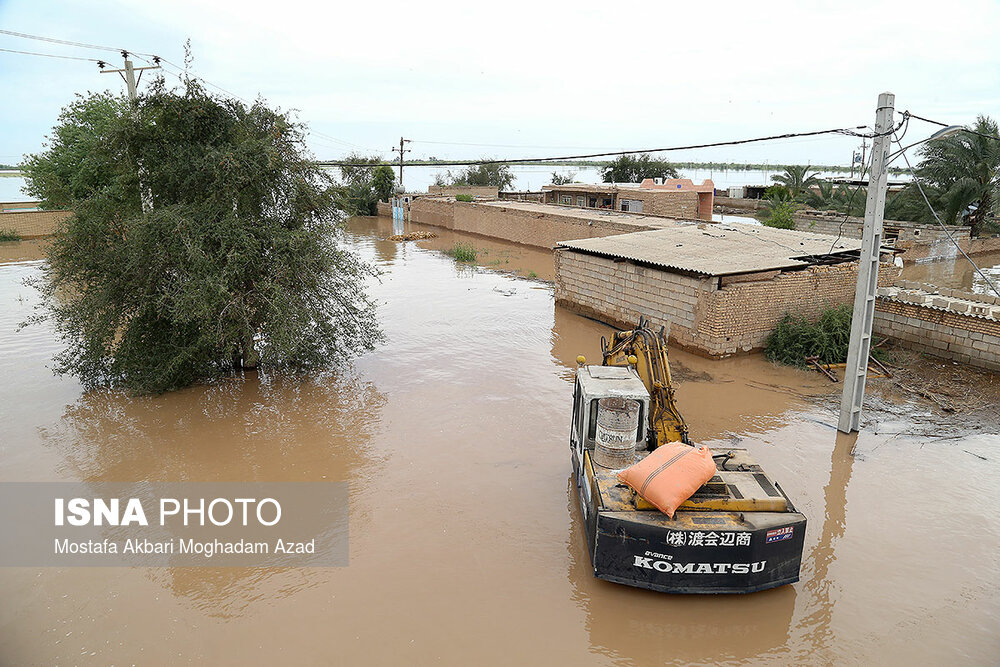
point(905, 123)
point(735, 142)
point(910, 114)
point(943, 226)
point(50, 55)
point(52, 40)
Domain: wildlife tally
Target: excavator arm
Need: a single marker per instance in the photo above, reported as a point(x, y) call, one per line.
point(650, 351)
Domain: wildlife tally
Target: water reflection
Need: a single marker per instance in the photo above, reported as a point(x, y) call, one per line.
point(640, 627)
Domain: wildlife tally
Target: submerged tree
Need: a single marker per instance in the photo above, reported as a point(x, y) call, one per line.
point(364, 186)
point(202, 240)
point(494, 174)
point(635, 168)
point(563, 179)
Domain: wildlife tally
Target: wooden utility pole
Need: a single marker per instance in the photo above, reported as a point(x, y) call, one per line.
point(856, 371)
point(401, 150)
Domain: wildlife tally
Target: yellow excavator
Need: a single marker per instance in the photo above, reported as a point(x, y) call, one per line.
point(738, 533)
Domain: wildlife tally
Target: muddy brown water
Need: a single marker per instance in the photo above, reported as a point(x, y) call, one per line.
point(466, 545)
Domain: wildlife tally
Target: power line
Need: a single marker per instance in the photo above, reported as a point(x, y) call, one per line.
point(943, 226)
point(937, 122)
point(53, 40)
point(49, 55)
point(735, 142)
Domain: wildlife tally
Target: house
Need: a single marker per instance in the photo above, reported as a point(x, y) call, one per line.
point(671, 198)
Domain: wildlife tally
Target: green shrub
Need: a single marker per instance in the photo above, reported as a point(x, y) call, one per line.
point(780, 213)
point(9, 235)
point(464, 197)
point(463, 252)
point(796, 338)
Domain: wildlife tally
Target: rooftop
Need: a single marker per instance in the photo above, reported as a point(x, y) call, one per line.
point(639, 220)
point(720, 249)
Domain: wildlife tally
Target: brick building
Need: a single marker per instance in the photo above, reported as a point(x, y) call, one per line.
point(670, 198)
point(719, 289)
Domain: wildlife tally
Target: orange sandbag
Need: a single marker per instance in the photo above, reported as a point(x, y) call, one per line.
point(670, 475)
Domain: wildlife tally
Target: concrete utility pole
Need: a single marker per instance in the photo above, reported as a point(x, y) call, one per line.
point(128, 74)
point(401, 150)
point(856, 371)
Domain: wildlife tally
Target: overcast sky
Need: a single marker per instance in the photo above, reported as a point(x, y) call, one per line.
point(529, 78)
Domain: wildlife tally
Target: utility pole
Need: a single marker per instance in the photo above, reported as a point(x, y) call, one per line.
point(128, 74)
point(856, 371)
point(401, 150)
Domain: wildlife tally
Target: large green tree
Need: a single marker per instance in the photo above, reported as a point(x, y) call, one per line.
point(635, 168)
point(203, 239)
point(363, 186)
point(495, 175)
point(961, 176)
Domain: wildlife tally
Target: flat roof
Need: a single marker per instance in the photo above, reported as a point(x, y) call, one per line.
point(639, 220)
point(718, 249)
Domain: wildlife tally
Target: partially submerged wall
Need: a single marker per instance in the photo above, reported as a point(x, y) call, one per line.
point(905, 234)
point(32, 224)
point(618, 292)
point(536, 225)
point(949, 324)
point(471, 190)
point(717, 317)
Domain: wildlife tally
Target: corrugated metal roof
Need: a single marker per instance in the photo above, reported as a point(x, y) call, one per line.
point(717, 249)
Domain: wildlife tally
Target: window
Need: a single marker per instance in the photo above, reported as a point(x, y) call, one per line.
point(632, 205)
point(593, 202)
point(606, 202)
point(581, 201)
point(565, 199)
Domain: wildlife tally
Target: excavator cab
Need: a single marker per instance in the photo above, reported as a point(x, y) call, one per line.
point(594, 383)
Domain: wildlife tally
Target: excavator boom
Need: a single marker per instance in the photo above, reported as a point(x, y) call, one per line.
point(650, 351)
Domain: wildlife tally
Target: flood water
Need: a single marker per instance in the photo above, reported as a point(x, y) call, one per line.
point(958, 273)
point(466, 545)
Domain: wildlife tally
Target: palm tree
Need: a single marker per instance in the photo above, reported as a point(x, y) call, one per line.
point(797, 179)
point(961, 174)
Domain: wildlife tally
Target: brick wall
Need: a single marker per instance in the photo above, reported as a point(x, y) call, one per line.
point(32, 224)
point(740, 203)
point(527, 227)
point(618, 292)
point(906, 233)
point(717, 317)
point(970, 339)
point(740, 316)
point(473, 190)
point(682, 204)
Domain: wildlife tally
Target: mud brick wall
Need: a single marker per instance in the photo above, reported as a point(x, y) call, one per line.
point(32, 224)
point(716, 317)
point(969, 339)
